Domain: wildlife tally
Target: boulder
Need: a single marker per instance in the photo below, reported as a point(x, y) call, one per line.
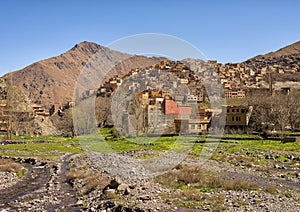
point(123, 189)
point(110, 192)
point(79, 202)
point(114, 184)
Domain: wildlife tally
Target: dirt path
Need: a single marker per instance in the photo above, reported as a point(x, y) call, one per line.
point(231, 173)
point(32, 182)
point(262, 181)
point(44, 187)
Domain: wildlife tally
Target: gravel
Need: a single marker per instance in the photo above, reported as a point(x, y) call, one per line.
point(128, 167)
point(8, 179)
point(129, 185)
point(147, 195)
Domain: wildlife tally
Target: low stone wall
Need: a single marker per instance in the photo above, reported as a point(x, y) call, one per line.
point(291, 139)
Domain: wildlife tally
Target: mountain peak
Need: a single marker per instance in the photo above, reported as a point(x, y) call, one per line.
point(86, 43)
point(87, 46)
point(52, 81)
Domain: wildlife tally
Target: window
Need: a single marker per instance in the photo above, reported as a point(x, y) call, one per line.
point(227, 110)
point(233, 110)
point(237, 110)
point(192, 126)
point(243, 110)
point(232, 118)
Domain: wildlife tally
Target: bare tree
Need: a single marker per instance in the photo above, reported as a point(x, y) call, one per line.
point(260, 119)
point(118, 108)
point(64, 122)
point(293, 104)
point(138, 112)
point(280, 112)
point(103, 111)
point(83, 115)
point(153, 119)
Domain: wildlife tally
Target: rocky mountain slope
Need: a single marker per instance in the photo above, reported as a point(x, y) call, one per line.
point(285, 51)
point(52, 81)
point(284, 64)
point(289, 55)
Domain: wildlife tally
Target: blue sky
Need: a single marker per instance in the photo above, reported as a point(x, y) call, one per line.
point(229, 31)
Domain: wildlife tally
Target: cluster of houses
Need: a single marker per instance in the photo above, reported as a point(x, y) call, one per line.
point(174, 77)
point(17, 116)
point(164, 113)
point(241, 80)
point(185, 117)
point(238, 77)
point(172, 91)
point(171, 94)
point(19, 120)
point(237, 80)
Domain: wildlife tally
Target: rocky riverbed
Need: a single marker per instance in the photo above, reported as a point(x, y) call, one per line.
point(43, 188)
point(8, 179)
point(145, 194)
point(91, 182)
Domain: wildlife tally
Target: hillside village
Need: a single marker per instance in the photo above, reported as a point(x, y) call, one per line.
point(150, 106)
point(175, 95)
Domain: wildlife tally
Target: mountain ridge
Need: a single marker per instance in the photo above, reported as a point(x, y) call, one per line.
point(51, 81)
point(56, 72)
point(290, 49)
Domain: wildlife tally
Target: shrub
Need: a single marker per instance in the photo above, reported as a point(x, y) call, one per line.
point(8, 165)
point(197, 177)
point(92, 181)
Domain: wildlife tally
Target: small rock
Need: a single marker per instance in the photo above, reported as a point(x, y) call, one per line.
point(114, 183)
point(276, 166)
point(79, 202)
point(110, 192)
point(145, 198)
point(124, 189)
point(282, 176)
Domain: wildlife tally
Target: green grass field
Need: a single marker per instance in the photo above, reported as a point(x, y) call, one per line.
point(52, 147)
point(48, 147)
